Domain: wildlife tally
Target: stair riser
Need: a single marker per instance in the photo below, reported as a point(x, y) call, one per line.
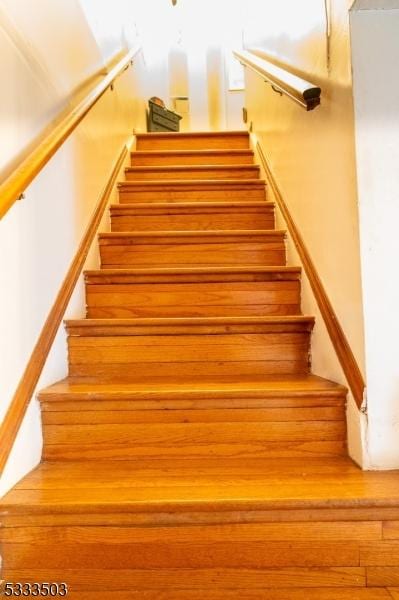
point(121, 412)
point(166, 159)
point(207, 221)
point(192, 253)
point(193, 299)
point(101, 431)
point(129, 196)
point(132, 356)
point(185, 555)
point(130, 441)
point(213, 593)
point(219, 142)
point(250, 172)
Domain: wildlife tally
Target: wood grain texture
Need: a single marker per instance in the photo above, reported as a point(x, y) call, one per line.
point(192, 216)
point(208, 140)
point(23, 394)
point(54, 136)
point(175, 172)
point(192, 191)
point(182, 579)
point(195, 347)
point(332, 532)
point(178, 486)
point(228, 156)
point(191, 299)
point(244, 594)
point(128, 441)
point(383, 576)
point(338, 338)
point(182, 555)
point(185, 249)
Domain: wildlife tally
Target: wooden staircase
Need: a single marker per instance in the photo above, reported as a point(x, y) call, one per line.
point(191, 454)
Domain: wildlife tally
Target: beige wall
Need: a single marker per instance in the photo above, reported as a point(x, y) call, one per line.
point(312, 155)
point(46, 54)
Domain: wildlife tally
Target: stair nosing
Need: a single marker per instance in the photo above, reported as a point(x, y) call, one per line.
point(196, 205)
point(195, 321)
point(194, 270)
point(186, 134)
point(214, 505)
point(214, 391)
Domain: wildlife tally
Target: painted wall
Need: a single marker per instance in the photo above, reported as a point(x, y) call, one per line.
point(312, 155)
point(47, 54)
point(375, 48)
point(187, 45)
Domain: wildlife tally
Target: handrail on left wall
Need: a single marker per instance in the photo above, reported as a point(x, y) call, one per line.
point(10, 189)
point(13, 186)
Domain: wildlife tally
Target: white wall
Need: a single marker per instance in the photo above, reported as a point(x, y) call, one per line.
point(375, 50)
point(47, 51)
point(196, 36)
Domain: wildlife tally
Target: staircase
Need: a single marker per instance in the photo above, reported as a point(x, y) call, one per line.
point(191, 454)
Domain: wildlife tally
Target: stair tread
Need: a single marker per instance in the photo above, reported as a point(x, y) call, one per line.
point(195, 321)
point(194, 270)
point(309, 385)
point(180, 485)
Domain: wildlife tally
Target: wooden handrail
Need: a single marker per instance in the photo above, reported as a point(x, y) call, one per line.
point(338, 338)
point(13, 186)
point(27, 385)
point(301, 91)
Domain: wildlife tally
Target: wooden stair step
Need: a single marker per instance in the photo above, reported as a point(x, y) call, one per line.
point(192, 347)
point(178, 293)
point(191, 420)
point(263, 524)
point(190, 326)
point(193, 274)
point(136, 435)
point(196, 584)
point(191, 157)
point(207, 487)
point(199, 190)
point(190, 454)
point(205, 140)
point(292, 593)
point(192, 248)
point(235, 391)
point(190, 216)
point(197, 172)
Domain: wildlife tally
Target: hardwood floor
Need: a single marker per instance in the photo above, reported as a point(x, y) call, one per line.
point(191, 453)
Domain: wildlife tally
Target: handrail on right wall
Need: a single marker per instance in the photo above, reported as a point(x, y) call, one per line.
point(337, 335)
point(299, 90)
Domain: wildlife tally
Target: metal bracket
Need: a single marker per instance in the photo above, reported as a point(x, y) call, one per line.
point(275, 89)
